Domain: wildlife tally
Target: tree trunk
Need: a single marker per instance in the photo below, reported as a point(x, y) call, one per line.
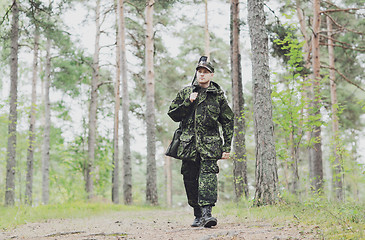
point(307, 63)
point(316, 148)
point(239, 145)
point(151, 188)
point(11, 150)
point(266, 169)
point(30, 155)
point(206, 32)
point(127, 165)
point(168, 180)
point(293, 164)
point(115, 174)
point(47, 126)
point(93, 107)
point(337, 165)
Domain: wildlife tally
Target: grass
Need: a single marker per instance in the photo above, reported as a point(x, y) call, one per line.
point(13, 216)
point(328, 220)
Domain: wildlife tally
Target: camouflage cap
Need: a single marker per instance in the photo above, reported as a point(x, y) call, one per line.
point(204, 64)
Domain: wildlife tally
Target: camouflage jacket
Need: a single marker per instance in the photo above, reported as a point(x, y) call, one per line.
point(200, 121)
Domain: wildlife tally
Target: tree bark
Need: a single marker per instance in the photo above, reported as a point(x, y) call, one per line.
point(47, 126)
point(206, 32)
point(337, 165)
point(13, 116)
point(239, 145)
point(168, 180)
point(32, 117)
point(127, 162)
point(266, 169)
point(307, 93)
point(115, 174)
point(294, 186)
point(316, 147)
point(93, 108)
point(151, 185)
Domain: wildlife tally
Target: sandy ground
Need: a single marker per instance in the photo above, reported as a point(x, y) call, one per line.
point(156, 224)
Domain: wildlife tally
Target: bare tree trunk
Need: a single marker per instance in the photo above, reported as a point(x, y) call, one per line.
point(307, 60)
point(115, 176)
point(206, 32)
point(337, 165)
point(47, 126)
point(168, 180)
point(151, 185)
point(30, 156)
point(316, 148)
point(266, 169)
point(127, 165)
point(93, 107)
point(13, 116)
point(239, 145)
point(293, 165)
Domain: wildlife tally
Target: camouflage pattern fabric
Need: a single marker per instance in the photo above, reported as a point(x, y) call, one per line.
point(201, 144)
point(200, 122)
point(200, 180)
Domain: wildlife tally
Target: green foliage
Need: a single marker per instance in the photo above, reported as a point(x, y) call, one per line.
point(70, 73)
point(287, 47)
point(289, 99)
point(13, 216)
point(316, 216)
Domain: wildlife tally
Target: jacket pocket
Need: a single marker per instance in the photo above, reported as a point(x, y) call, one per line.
point(186, 149)
point(212, 147)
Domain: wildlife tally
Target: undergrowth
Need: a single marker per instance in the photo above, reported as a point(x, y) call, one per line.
point(13, 216)
point(328, 220)
point(325, 219)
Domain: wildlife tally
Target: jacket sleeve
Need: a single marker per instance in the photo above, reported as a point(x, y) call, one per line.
point(226, 118)
point(181, 106)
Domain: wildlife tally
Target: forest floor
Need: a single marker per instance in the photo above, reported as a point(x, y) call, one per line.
point(158, 224)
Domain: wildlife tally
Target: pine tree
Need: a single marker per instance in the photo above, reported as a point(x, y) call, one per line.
point(239, 145)
point(266, 169)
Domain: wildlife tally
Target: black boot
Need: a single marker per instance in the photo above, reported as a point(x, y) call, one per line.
point(198, 216)
point(207, 220)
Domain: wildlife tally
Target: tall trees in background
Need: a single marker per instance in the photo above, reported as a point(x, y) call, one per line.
point(127, 164)
point(343, 24)
point(13, 115)
point(239, 145)
point(266, 169)
point(337, 165)
point(127, 159)
point(93, 106)
point(151, 184)
point(115, 174)
point(206, 32)
point(315, 150)
point(47, 125)
point(32, 120)
point(68, 159)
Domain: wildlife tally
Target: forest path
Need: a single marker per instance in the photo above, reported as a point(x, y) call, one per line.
point(156, 224)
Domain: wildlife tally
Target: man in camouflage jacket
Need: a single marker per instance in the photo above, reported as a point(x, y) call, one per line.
point(201, 108)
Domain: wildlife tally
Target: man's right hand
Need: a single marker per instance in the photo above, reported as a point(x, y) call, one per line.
point(193, 96)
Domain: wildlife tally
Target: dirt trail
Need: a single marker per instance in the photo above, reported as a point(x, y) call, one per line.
point(154, 224)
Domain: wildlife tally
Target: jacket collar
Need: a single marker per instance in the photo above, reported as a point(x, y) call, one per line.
point(213, 87)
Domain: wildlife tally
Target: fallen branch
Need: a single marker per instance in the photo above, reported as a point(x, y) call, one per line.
point(64, 233)
point(107, 234)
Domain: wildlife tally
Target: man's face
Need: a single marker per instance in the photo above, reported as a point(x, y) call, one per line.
point(204, 76)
